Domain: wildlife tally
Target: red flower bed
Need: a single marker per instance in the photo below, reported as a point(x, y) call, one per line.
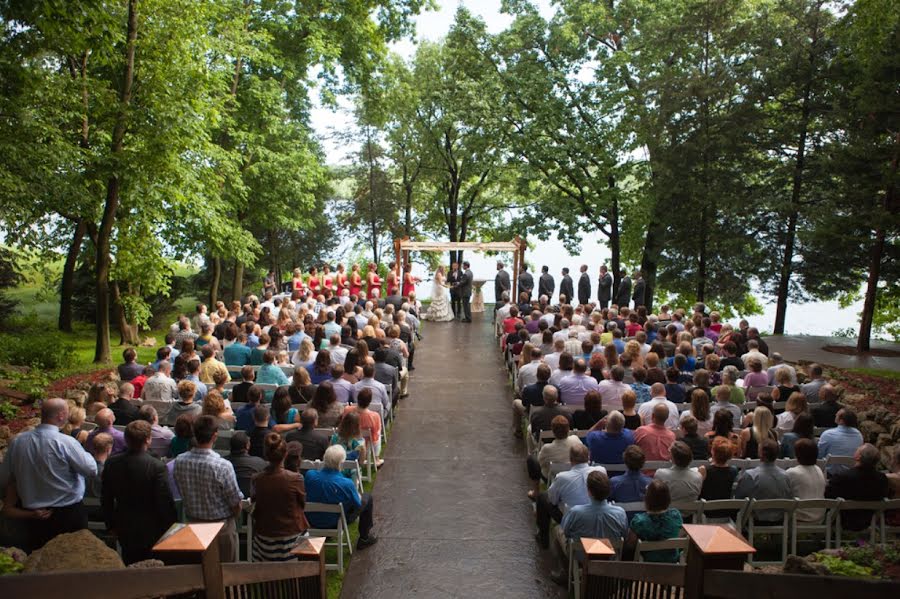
point(59, 388)
point(21, 419)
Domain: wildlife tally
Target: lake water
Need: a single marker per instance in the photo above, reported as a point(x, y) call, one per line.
point(813, 318)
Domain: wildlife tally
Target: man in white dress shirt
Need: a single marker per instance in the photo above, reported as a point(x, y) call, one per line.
point(527, 375)
point(658, 396)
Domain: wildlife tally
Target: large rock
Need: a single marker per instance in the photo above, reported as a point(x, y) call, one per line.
point(74, 551)
point(798, 565)
point(870, 430)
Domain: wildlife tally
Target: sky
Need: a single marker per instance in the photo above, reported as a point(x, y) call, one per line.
point(815, 318)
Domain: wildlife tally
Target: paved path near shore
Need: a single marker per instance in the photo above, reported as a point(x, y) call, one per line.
point(808, 348)
point(450, 509)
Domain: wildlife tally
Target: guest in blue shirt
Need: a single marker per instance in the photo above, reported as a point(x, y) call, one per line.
point(270, 374)
point(674, 390)
point(608, 446)
point(841, 441)
point(329, 485)
point(296, 337)
point(631, 486)
point(238, 353)
point(243, 418)
point(598, 519)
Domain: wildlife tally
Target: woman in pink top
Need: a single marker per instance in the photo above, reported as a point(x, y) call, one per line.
point(755, 378)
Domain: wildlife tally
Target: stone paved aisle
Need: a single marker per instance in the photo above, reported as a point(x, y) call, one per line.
point(450, 508)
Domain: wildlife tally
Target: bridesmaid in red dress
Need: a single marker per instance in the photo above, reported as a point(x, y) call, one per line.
point(313, 282)
point(297, 282)
point(393, 287)
point(341, 278)
point(355, 280)
point(327, 278)
point(409, 281)
point(373, 283)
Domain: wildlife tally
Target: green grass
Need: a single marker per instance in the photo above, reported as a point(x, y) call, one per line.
point(879, 372)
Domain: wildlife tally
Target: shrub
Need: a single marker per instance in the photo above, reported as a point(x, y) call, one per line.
point(46, 351)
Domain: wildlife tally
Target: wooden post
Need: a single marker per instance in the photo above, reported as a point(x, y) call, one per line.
point(191, 544)
point(312, 549)
point(712, 547)
point(397, 243)
point(595, 550)
point(514, 288)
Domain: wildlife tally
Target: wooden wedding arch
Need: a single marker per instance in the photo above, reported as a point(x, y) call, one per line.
point(402, 248)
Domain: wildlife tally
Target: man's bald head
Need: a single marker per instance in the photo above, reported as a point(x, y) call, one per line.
point(54, 411)
point(660, 414)
point(105, 418)
point(657, 390)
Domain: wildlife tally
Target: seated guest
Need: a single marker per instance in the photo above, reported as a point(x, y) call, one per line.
point(368, 420)
point(608, 446)
point(160, 436)
point(104, 420)
point(723, 403)
point(261, 427)
point(279, 497)
point(639, 386)
point(862, 482)
point(101, 450)
point(238, 353)
point(785, 385)
point(755, 377)
point(136, 501)
point(541, 418)
point(729, 379)
point(807, 479)
point(301, 389)
point(630, 486)
point(816, 382)
point(592, 413)
point(674, 389)
point(527, 374)
point(282, 410)
point(825, 413)
point(130, 368)
point(658, 393)
point(214, 405)
point(555, 451)
point(574, 387)
point(161, 386)
point(183, 437)
point(246, 466)
point(568, 489)
point(778, 363)
point(683, 481)
point(612, 389)
point(699, 445)
point(75, 425)
point(700, 411)
point(138, 381)
point(208, 485)
point(655, 439)
point(239, 391)
point(326, 404)
point(718, 476)
point(596, 518)
point(796, 405)
point(186, 391)
point(760, 430)
point(658, 523)
point(328, 485)
point(125, 411)
point(843, 440)
point(321, 368)
point(314, 442)
point(210, 365)
point(766, 481)
point(803, 429)
point(349, 436)
point(632, 418)
point(271, 374)
point(532, 397)
point(381, 395)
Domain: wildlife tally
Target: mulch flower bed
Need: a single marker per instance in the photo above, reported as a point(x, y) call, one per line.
point(59, 388)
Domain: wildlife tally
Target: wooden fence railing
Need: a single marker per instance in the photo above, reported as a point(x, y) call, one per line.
point(714, 570)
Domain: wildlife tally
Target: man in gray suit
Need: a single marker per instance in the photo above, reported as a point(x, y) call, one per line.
point(465, 292)
point(501, 284)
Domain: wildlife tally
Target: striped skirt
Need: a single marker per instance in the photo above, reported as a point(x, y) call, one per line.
point(275, 549)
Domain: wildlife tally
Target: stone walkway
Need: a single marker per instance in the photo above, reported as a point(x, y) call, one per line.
point(450, 509)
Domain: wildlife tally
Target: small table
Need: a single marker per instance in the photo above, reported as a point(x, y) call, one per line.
point(478, 299)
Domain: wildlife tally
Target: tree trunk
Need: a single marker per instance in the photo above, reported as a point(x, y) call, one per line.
point(216, 280)
point(702, 262)
point(784, 279)
point(653, 245)
point(127, 331)
point(104, 234)
point(67, 286)
point(237, 283)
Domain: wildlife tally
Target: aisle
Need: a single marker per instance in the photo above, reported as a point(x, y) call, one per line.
point(450, 508)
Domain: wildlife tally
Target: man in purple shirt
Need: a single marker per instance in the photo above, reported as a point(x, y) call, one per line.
point(104, 420)
point(574, 387)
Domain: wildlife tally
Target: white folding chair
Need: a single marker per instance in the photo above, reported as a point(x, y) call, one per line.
point(892, 532)
point(645, 546)
point(572, 550)
point(786, 507)
point(340, 533)
point(752, 392)
point(690, 509)
point(708, 507)
point(244, 526)
point(875, 522)
point(556, 468)
point(823, 526)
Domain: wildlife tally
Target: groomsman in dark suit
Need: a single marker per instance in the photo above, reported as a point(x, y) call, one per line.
point(566, 287)
point(604, 288)
point(639, 290)
point(453, 278)
point(624, 294)
point(501, 284)
point(546, 284)
point(584, 286)
point(526, 282)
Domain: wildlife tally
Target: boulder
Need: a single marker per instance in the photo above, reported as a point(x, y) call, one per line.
point(895, 432)
point(74, 551)
point(148, 563)
point(798, 565)
point(870, 430)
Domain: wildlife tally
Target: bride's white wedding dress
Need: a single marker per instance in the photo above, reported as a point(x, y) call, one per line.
point(439, 310)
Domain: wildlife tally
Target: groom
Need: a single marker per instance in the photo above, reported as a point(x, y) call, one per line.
point(465, 292)
point(453, 281)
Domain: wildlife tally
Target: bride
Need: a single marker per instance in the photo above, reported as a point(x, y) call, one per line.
point(439, 311)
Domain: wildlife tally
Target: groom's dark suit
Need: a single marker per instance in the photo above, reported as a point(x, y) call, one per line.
point(453, 279)
point(465, 294)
